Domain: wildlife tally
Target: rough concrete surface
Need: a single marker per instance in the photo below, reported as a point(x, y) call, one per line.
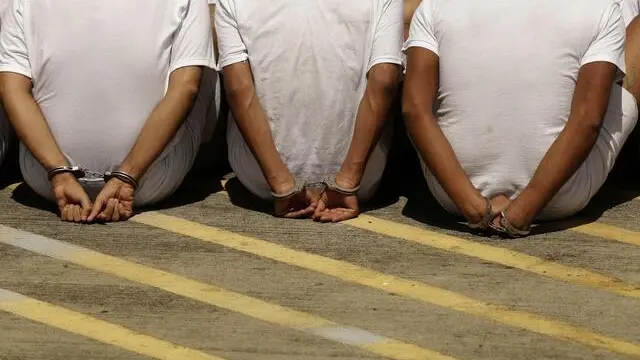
point(236, 336)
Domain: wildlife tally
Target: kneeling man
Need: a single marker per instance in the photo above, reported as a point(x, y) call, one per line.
point(517, 117)
point(104, 96)
point(310, 85)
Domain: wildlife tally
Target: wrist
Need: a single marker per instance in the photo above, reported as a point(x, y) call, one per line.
point(348, 180)
point(131, 170)
point(350, 175)
point(62, 178)
point(474, 209)
point(523, 209)
point(281, 182)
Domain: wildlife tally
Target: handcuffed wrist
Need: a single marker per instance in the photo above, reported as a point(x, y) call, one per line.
point(298, 186)
point(75, 171)
point(331, 183)
point(122, 176)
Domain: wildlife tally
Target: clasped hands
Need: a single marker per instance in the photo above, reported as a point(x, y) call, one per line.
point(318, 202)
point(497, 216)
point(113, 203)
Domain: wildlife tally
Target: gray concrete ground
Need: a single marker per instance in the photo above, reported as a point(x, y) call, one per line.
point(235, 335)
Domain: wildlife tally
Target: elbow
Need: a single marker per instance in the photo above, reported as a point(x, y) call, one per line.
point(410, 111)
point(238, 91)
point(385, 77)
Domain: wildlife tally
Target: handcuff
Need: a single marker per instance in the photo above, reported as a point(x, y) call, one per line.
point(80, 173)
point(505, 227)
point(329, 183)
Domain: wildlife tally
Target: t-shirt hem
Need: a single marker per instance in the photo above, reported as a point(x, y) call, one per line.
point(386, 60)
point(232, 60)
point(619, 63)
point(16, 69)
point(193, 62)
point(422, 44)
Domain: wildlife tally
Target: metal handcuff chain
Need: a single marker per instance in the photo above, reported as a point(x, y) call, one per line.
point(80, 173)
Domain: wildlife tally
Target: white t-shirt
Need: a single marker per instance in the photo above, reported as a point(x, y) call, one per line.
point(100, 67)
point(310, 60)
point(507, 81)
point(630, 9)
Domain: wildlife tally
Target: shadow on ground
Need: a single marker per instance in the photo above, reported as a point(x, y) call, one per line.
point(620, 188)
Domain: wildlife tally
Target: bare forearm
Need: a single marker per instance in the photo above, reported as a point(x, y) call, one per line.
point(254, 126)
point(436, 151)
point(30, 125)
point(372, 115)
point(160, 128)
point(562, 160)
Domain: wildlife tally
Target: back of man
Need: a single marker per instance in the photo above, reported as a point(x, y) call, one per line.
point(99, 69)
point(508, 71)
point(310, 60)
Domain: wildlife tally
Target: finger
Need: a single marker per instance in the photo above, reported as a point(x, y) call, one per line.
point(321, 207)
point(86, 208)
point(344, 216)
point(97, 208)
point(327, 216)
point(116, 212)
point(299, 213)
point(107, 213)
point(77, 213)
point(123, 210)
point(63, 213)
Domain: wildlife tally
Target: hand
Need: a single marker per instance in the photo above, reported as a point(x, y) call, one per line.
point(73, 202)
point(499, 204)
point(336, 207)
point(300, 205)
point(114, 203)
point(519, 224)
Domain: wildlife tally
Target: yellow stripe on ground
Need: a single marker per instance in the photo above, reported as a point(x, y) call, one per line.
point(494, 254)
point(388, 283)
point(609, 232)
point(219, 297)
point(95, 329)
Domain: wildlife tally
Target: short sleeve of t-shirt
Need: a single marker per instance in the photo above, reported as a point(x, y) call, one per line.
point(630, 9)
point(230, 45)
point(14, 56)
point(193, 42)
point(608, 43)
point(421, 33)
point(387, 41)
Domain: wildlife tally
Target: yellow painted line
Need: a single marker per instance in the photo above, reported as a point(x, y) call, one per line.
point(609, 232)
point(391, 284)
point(219, 297)
point(495, 254)
point(11, 188)
point(95, 329)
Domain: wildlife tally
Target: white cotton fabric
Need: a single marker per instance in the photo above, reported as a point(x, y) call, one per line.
point(310, 60)
point(506, 87)
point(630, 9)
point(5, 127)
point(99, 68)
